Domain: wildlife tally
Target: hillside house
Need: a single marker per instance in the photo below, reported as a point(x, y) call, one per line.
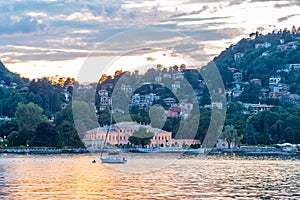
point(266, 53)
point(126, 88)
point(264, 45)
point(274, 80)
point(292, 45)
point(256, 81)
point(105, 100)
point(238, 55)
point(293, 67)
point(282, 47)
point(237, 76)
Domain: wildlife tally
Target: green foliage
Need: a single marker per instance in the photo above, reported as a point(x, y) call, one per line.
point(46, 95)
point(7, 127)
point(230, 135)
point(13, 138)
point(64, 115)
point(44, 135)
point(275, 126)
point(68, 136)
point(84, 117)
point(9, 77)
point(24, 136)
point(157, 116)
point(141, 137)
point(250, 94)
point(28, 116)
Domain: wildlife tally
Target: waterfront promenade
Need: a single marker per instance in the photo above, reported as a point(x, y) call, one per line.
point(245, 151)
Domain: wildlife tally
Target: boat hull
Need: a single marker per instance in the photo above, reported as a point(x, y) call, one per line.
point(113, 160)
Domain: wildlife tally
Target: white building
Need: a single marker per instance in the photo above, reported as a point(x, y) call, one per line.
point(265, 45)
point(105, 100)
point(238, 55)
point(291, 67)
point(175, 85)
point(126, 88)
point(274, 80)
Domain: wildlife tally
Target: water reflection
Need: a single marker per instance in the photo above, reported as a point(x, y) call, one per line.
point(191, 177)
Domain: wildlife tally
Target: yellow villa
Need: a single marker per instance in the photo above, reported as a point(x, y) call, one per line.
point(120, 132)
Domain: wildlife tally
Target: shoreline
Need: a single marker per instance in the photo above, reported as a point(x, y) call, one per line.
point(43, 151)
point(253, 151)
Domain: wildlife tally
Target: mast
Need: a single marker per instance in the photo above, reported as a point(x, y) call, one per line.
point(108, 129)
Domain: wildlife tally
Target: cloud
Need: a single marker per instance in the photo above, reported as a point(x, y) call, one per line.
point(60, 29)
point(204, 8)
point(196, 19)
point(9, 25)
point(277, 5)
point(281, 19)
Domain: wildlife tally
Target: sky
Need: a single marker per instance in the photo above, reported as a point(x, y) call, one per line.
point(60, 37)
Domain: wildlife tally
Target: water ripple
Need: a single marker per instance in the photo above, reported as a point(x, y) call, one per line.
point(75, 177)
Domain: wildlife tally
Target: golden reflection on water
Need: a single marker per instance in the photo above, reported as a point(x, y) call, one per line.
point(76, 177)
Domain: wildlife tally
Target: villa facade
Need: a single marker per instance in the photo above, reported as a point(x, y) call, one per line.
point(119, 134)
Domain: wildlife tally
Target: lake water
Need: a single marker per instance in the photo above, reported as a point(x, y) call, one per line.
point(190, 177)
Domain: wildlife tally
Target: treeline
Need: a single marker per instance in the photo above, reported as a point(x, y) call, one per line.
point(41, 92)
point(30, 127)
point(277, 125)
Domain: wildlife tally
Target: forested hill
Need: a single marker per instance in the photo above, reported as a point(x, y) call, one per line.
point(260, 56)
point(14, 90)
point(9, 78)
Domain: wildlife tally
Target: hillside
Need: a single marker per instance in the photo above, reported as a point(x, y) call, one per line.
point(9, 78)
point(259, 57)
point(14, 90)
point(253, 63)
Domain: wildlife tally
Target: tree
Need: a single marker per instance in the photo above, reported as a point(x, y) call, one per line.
point(290, 135)
point(7, 127)
point(250, 135)
point(68, 136)
point(64, 115)
point(157, 116)
point(230, 135)
point(141, 137)
point(29, 115)
point(250, 94)
point(205, 100)
point(13, 138)
point(182, 67)
point(24, 137)
point(294, 30)
point(84, 116)
point(44, 135)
